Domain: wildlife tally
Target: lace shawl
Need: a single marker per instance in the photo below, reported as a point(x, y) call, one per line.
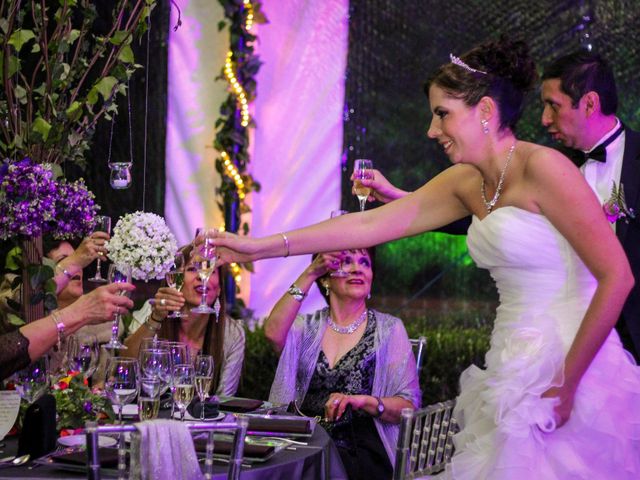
point(395, 373)
point(14, 353)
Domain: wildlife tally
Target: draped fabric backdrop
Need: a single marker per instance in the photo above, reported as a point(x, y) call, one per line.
point(196, 54)
point(297, 143)
point(298, 140)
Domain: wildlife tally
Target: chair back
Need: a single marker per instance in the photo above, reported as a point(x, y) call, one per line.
point(419, 346)
point(425, 443)
point(239, 429)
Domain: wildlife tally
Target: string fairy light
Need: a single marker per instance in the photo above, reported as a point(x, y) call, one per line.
point(237, 89)
point(232, 172)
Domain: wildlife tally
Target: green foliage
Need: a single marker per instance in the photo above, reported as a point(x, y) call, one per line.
point(61, 75)
point(76, 404)
point(231, 137)
point(450, 349)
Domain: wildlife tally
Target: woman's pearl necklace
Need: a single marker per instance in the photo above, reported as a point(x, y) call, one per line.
point(349, 329)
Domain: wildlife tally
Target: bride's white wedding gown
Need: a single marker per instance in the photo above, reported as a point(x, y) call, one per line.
point(508, 430)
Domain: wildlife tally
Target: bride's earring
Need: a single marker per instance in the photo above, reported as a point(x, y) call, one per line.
point(485, 126)
point(327, 290)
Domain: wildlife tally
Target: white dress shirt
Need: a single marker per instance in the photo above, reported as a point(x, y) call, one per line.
point(601, 175)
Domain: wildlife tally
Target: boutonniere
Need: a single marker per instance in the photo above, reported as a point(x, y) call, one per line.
point(616, 207)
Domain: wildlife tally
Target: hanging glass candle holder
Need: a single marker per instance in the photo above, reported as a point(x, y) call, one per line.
point(120, 175)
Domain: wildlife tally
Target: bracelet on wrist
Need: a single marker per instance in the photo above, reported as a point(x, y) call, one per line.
point(55, 316)
point(153, 324)
point(296, 292)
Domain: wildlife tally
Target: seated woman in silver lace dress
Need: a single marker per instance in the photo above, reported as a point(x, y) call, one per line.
point(345, 357)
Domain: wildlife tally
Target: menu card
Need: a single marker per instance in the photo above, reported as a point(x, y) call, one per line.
point(9, 406)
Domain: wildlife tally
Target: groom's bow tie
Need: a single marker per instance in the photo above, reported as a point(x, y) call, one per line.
point(599, 154)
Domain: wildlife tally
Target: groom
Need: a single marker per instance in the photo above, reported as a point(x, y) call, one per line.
point(580, 102)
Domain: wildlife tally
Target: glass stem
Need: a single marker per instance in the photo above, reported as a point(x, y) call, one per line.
point(363, 201)
point(201, 408)
point(115, 326)
point(203, 300)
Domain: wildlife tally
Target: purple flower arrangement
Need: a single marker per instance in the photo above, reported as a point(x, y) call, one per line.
point(33, 203)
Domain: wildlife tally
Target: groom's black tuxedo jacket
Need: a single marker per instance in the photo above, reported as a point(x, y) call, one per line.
point(629, 236)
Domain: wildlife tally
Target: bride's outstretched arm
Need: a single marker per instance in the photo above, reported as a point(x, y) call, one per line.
point(435, 204)
point(568, 202)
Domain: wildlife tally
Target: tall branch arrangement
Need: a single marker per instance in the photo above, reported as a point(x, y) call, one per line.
point(61, 72)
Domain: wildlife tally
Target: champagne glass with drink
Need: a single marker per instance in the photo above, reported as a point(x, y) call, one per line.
point(175, 280)
point(103, 224)
point(204, 260)
point(362, 170)
point(203, 379)
point(117, 274)
point(183, 387)
point(82, 353)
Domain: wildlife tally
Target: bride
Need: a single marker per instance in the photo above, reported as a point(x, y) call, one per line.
point(558, 398)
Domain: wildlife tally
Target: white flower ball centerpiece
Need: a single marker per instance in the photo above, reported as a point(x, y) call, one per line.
point(143, 241)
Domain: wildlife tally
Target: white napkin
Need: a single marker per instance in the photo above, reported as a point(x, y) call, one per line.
point(163, 449)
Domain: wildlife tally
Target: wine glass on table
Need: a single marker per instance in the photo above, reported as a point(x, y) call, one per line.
point(203, 379)
point(149, 398)
point(33, 380)
point(183, 387)
point(175, 280)
point(82, 353)
point(117, 274)
point(362, 170)
point(340, 272)
point(121, 383)
point(103, 224)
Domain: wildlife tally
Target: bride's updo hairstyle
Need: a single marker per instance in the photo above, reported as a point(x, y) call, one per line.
point(502, 70)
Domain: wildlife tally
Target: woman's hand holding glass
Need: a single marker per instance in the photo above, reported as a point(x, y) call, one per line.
point(165, 301)
point(103, 224)
point(118, 275)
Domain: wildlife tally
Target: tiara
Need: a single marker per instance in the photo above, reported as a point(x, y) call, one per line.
point(456, 61)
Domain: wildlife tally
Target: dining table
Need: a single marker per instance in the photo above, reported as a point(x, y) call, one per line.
point(312, 458)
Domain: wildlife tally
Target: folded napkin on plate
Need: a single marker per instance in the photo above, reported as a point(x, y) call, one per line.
point(210, 408)
point(162, 449)
point(108, 457)
point(284, 425)
point(240, 405)
point(223, 447)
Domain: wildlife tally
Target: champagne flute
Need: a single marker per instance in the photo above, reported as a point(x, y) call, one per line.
point(183, 384)
point(203, 379)
point(32, 381)
point(121, 381)
point(82, 353)
point(178, 354)
point(205, 268)
point(362, 170)
point(340, 272)
point(103, 224)
point(117, 275)
point(149, 398)
point(175, 280)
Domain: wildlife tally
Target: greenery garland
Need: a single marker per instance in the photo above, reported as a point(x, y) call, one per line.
point(232, 135)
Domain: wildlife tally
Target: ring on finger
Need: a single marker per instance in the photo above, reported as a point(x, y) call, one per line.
point(163, 302)
point(336, 401)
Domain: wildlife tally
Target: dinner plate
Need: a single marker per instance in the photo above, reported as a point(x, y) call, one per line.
point(188, 417)
point(77, 440)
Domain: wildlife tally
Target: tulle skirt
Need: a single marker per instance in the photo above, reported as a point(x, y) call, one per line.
point(509, 432)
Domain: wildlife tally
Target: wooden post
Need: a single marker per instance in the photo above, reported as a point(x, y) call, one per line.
point(31, 254)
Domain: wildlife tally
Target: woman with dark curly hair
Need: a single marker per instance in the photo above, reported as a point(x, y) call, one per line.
point(558, 397)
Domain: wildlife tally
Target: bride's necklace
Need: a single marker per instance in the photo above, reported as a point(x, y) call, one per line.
point(491, 203)
point(349, 329)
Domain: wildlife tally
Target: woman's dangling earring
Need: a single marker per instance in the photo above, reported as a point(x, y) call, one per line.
point(485, 126)
point(216, 307)
point(369, 296)
point(327, 290)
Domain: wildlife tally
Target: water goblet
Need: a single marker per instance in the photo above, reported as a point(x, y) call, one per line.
point(121, 383)
point(203, 379)
point(82, 353)
point(362, 170)
point(117, 274)
point(103, 224)
point(340, 272)
point(175, 280)
point(32, 381)
point(183, 385)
